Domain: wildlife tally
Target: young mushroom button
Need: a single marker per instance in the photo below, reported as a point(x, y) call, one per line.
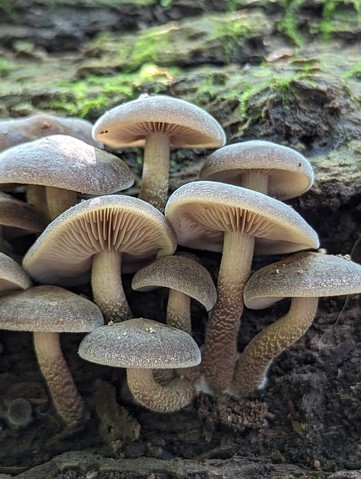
point(64, 165)
point(94, 237)
point(304, 277)
point(47, 311)
point(157, 123)
point(263, 166)
point(141, 345)
point(220, 217)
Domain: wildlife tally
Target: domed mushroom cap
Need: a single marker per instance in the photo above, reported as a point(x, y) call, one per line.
point(14, 131)
point(289, 173)
point(179, 273)
point(305, 274)
point(65, 249)
point(18, 214)
point(12, 275)
point(140, 343)
point(49, 309)
point(200, 213)
point(62, 161)
point(186, 124)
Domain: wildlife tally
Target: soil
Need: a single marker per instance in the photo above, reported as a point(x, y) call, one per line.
point(290, 73)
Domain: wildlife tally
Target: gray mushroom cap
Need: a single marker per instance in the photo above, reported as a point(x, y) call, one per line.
point(186, 124)
point(14, 131)
point(289, 173)
point(140, 343)
point(200, 212)
point(12, 275)
point(49, 309)
point(305, 274)
point(63, 253)
point(62, 161)
point(181, 274)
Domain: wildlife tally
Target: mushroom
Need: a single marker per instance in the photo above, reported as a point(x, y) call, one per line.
point(94, 236)
point(185, 278)
point(14, 131)
point(263, 166)
point(303, 277)
point(47, 311)
point(12, 276)
point(17, 218)
point(157, 123)
point(220, 217)
point(64, 166)
point(141, 345)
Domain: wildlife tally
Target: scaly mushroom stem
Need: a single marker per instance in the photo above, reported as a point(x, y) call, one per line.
point(175, 395)
point(254, 361)
point(255, 180)
point(178, 310)
point(64, 393)
point(59, 200)
point(155, 175)
point(220, 345)
point(107, 286)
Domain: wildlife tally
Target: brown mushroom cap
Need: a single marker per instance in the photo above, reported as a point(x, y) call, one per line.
point(289, 173)
point(18, 214)
point(64, 251)
point(200, 213)
point(305, 274)
point(65, 162)
point(179, 273)
point(14, 131)
point(140, 343)
point(186, 124)
point(48, 309)
point(12, 275)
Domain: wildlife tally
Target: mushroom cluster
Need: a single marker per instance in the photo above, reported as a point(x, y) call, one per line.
point(235, 209)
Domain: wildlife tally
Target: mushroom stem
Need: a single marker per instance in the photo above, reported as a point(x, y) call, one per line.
point(254, 361)
point(178, 310)
point(255, 180)
point(107, 286)
point(59, 200)
point(220, 345)
point(36, 196)
point(154, 185)
point(177, 394)
point(64, 393)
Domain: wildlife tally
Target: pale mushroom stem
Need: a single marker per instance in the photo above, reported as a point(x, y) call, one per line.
point(220, 345)
point(178, 310)
point(107, 286)
point(36, 196)
point(175, 395)
point(255, 180)
point(64, 393)
point(155, 175)
point(254, 361)
point(59, 200)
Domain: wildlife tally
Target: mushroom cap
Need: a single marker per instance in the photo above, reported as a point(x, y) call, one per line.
point(140, 343)
point(63, 253)
point(14, 131)
point(200, 212)
point(12, 275)
point(18, 214)
point(305, 274)
point(180, 273)
point(289, 173)
point(49, 309)
point(62, 161)
point(186, 124)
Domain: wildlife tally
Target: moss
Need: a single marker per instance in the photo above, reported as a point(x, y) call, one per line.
point(289, 24)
